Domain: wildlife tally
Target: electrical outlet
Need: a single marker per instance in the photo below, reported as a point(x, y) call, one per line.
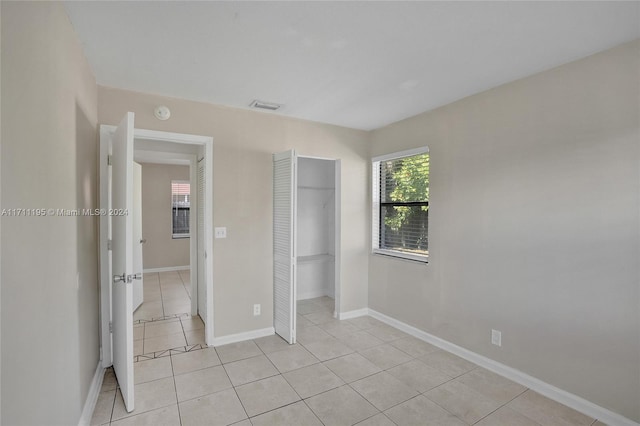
point(496, 337)
point(256, 309)
point(220, 232)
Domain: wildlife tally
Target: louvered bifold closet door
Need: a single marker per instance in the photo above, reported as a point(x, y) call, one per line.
point(284, 255)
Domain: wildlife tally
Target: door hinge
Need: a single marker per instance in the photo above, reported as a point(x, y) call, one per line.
point(109, 160)
point(109, 244)
point(110, 327)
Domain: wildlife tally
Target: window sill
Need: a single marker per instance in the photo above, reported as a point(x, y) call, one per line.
point(180, 236)
point(402, 256)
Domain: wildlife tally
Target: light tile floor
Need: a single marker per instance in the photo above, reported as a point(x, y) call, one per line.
point(165, 294)
point(163, 324)
point(357, 371)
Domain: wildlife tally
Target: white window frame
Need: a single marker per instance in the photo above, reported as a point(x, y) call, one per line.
point(173, 235)
point(375, 205)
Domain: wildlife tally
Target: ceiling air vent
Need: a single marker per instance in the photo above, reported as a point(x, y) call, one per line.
point(265, 105)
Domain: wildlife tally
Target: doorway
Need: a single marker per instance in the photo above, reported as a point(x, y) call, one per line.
point(163, 320)
point(162, 146)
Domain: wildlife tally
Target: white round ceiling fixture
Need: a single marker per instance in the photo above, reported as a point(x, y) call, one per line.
point(162, 113)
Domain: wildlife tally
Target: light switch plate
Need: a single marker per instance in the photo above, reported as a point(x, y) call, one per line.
point(221, 232)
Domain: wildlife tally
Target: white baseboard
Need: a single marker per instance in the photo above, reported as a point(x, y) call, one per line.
point(167, 269)
point(543, 388)
point(240, 337)
point(353, 314)
point(92, 396)
point(311, 294)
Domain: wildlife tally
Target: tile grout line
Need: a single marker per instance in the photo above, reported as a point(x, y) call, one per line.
point(177, 317)
point(304, 401)
point(144, 337)
point(385, 371)
point(322, 363)
point(364, 397)
point(455, 378)
point(279, 373)
point(175, 387)
point(412, 358)
point(184, 333)
point(285, 379)
point(115, 395)
point(504, 405)
point(233, 386)
point(436, 403)
point(161, 295)
point(184, 285)
point(144, 331)
point(262, 353)
point(413, 397)
point(144, 324)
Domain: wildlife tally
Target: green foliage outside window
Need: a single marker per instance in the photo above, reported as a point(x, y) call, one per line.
point(405, 181)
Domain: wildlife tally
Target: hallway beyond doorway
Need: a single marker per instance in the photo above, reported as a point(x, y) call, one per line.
point(163, 322)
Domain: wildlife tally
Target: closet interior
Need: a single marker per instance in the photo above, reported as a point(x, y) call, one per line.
point(316, 225)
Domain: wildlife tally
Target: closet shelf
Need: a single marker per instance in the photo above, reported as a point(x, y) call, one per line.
point(316, 258)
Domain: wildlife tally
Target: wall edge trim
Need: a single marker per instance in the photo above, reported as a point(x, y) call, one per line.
point(92, 396)
point(570, 400)
point(311, 294)
point(353, 314)
point(240, 337)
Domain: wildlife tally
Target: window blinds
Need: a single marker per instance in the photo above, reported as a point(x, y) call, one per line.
point(180, 207)
point(404, 204)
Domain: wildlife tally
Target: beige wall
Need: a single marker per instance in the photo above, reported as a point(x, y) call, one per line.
point(0, 221)
point(161, 250)
point(242, 195)
point(533, 227)
point(534, 219)
point(50, 333)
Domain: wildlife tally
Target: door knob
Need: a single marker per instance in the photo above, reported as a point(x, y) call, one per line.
point(143, 240)
point(127, 278)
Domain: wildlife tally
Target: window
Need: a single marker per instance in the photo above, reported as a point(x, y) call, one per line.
point(180, 208)
point(401, 204)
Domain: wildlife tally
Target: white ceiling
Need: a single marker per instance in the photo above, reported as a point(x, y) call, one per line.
point(355, 64)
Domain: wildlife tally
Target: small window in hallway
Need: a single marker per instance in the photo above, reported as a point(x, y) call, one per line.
point(180, 208)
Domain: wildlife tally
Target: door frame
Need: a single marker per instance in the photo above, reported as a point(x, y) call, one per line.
point(137, 285)
point(337, 310)
point(106, 350)
point(190, 160)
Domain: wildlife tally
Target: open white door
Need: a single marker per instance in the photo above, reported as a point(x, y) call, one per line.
point(138, 286)
point(284, 244)
point(122, 255)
